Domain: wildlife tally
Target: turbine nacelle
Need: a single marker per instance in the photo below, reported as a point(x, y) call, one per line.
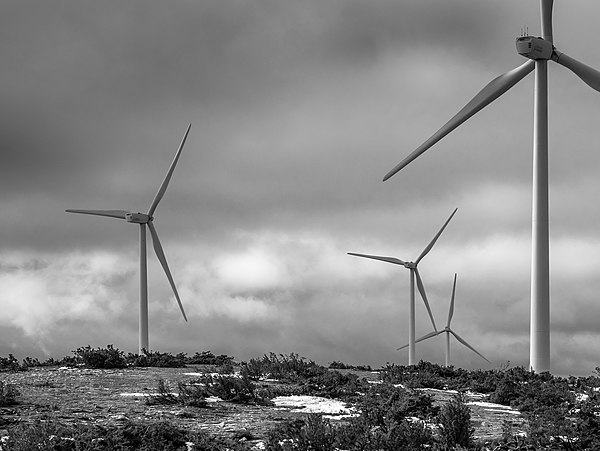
point(138, 218)
point(534, 48)
point(410, 265)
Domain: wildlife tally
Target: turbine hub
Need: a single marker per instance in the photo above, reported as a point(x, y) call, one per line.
point(534, 48)
point(137, 218)
point(410, 265)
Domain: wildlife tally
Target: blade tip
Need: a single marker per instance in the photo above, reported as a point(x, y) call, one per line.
point(390, 174)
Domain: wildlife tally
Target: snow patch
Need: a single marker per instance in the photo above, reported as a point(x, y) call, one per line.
point(494, 407)
point(314, 404)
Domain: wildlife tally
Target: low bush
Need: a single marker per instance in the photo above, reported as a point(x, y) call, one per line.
point(384, 401)
point(455, 421)
point(192, 395)
point(422, 375)
point(153, 436)
point(333, 384)
point(208, 358)
point(335, 365)
point(187, 395)
point(290, 368)
point(156, 359)
point(163, 395)
point(9, 363)
point(312, 433)
point(235, 389)
point(229, 388)
point(386, 422)
point(101, 358)
point(8, 394)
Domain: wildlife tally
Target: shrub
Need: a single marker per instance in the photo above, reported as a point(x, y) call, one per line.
point(67, 361)
point(163, 395)
point(153, 436)
point(108, 357)
point(29, 362)
point(384, 402)
point(506, 392)
point(187, 395)
point(392, 435)
point(334, 384)
point(8, 394)
point(156, 359)
point(191, 395)
point(455, 421)
point(382, 425)
point(9, 363)
point(335, 365)
point(235, 389)
point(290, 368)
point(588, 421)
point(313, 433)
point(422, 375)
point(208, 358)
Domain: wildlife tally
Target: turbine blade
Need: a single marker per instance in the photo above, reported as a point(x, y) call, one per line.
point(120, 214)
point(546, 10)
point(165, 183)
point(451, 310)
point(588, 74)
point(424, 296)
point(435, 238)
point(487, 95)
point(423, 338)
point(468, 345)
point(163, 261)
point(393, 260)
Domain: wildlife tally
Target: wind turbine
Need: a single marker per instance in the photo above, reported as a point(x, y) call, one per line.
point(414, 273)
point(447, 330)
point(539, 50)
point(143, 220)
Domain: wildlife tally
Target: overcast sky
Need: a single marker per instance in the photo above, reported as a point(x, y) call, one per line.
point(298, 109)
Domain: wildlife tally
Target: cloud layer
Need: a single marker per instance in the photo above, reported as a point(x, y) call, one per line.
point(298, 109)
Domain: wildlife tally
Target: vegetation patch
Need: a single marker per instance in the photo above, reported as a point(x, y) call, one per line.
point(335, 365)
point(285, 368)
point(156, 359)
point(8, 394)
point(556, 413)
point(108, 357)
point(455, 423)
point(153, 436)
point(385, 422)
point(9, 363)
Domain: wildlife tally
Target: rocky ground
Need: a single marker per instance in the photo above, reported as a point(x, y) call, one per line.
point(112, 396)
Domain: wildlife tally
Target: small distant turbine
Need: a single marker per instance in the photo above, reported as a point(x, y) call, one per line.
point(143, 220)
point(447, 330)
point(414, 272)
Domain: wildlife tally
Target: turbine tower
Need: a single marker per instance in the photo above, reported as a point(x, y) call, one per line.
point(448, 330)
point(539, 50)
point(414, 273)
point(147, 219)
